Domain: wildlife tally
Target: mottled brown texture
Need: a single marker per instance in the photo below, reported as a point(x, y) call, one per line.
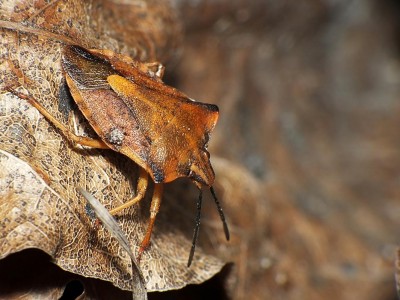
point(309, 99)
point(40, 170)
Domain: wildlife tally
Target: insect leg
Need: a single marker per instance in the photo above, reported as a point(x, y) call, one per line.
point(81, 140)
point(154, 207)
point(140, 191)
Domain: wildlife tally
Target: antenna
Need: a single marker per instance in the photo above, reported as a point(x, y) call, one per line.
point(221, 214)
point(196, 228)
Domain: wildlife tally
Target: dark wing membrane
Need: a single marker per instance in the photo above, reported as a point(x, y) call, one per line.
point(88, 71)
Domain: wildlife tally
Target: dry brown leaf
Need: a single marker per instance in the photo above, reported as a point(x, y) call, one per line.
point(109, 222)
point(39, 206)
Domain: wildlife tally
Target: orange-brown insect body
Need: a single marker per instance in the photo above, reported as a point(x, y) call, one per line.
point(136, 114)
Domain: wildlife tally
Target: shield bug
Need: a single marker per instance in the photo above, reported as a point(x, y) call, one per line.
point(134, 113)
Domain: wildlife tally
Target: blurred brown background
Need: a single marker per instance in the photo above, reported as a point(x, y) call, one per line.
point(307, 143)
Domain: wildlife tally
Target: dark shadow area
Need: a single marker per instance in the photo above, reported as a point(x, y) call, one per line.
point(72, 290)
point(211, 289)
point(32, 272)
